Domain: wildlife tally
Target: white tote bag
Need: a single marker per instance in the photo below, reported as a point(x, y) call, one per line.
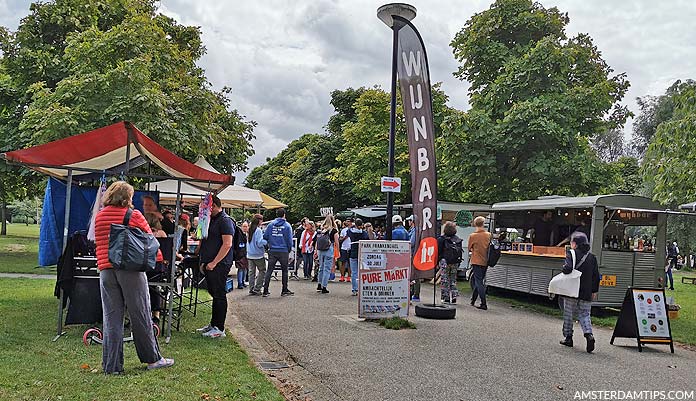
point(567, 285)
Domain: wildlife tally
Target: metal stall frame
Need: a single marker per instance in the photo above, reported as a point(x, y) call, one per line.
point(119, 172)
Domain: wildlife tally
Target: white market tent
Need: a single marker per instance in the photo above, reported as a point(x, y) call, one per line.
point(234, 196)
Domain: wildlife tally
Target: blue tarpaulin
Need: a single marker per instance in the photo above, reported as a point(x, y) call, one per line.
point(53, 218)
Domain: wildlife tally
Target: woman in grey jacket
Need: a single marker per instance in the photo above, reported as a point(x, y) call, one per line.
point(255, 255)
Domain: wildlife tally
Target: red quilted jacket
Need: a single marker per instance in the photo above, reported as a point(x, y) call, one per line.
point(114, 215)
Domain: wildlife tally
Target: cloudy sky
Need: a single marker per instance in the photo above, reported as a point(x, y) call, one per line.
point(282, 59)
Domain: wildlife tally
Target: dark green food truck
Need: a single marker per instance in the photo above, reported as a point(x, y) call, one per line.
point(627, 233)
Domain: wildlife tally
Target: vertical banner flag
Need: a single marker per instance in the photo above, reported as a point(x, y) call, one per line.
point(414, 79)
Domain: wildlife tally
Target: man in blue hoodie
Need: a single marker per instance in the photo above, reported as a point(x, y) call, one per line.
point(279, 237)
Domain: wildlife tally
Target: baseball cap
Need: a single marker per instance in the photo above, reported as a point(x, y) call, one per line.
point(396, 219)
point(409, 218)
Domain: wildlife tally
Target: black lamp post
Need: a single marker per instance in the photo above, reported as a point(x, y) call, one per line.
point(385, 13)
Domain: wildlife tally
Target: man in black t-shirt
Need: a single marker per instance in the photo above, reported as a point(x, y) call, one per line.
point(544, 230)
point(216, 260)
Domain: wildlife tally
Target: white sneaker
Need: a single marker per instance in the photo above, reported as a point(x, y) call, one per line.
point(205, 329)
point(215, 333)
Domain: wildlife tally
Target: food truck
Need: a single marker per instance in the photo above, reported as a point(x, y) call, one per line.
point(627, 234)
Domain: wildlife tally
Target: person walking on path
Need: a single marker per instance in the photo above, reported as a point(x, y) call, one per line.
point(344, 239)
point(279, 237)
point(672, 257)
point(415, 283)
point(216, 261)
point(585, 262)
point(298, 249)
point(255, 255)
point(121, 289)
point(449, 247)
point(308, 237)
point(479, 241)
point(327, 241)
point(355, 234)
point(243, 263)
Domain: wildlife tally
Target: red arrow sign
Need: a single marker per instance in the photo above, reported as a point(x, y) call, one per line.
point(392, 184)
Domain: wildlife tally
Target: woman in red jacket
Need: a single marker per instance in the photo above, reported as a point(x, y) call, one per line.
point(121, 289)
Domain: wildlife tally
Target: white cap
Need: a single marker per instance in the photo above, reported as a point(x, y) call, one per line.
point(409, 218)
point(396, 219)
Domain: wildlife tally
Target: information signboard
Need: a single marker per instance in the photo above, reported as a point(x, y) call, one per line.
point(644, 317)
point(383, 268)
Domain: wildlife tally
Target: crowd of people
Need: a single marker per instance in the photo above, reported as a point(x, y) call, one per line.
point(324, 252)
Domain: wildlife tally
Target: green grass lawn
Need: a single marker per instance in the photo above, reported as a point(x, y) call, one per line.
point(19, 250)
point(683, 328)
point(34, 368)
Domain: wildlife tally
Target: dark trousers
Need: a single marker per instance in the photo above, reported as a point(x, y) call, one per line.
point(307, 263)
point(273, 259)
point(216, 280)
point(479, 288)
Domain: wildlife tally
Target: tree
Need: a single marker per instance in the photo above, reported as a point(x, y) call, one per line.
point(669, 160)
point(654, 110)
point(627, 178)
point(300, 174)
point(537, 100)
point(609, 145)
point(27, 208)
point(77, 65)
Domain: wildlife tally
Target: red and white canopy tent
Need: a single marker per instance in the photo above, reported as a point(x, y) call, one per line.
point(112, 150)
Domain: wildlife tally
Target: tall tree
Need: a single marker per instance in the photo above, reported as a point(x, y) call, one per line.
point(654, 110)
point(300, 175)
point(364, 157)
point(537, 97)
point(669, 160)
point(77, 65)
point(609, 145)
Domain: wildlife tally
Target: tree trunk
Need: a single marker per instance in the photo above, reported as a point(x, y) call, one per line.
point(3, 214)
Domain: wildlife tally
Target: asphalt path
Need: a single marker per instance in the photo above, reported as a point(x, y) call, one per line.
point(503, 353)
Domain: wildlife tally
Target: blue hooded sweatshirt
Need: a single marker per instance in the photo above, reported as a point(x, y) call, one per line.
point(279, 235)
point(256, 245)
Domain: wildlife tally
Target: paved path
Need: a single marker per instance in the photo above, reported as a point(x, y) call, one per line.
point(27, 275)
point(499, 354)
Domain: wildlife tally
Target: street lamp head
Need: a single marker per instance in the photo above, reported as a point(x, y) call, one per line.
point(385, 12)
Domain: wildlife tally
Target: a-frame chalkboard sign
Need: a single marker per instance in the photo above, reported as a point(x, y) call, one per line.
point(644, 317)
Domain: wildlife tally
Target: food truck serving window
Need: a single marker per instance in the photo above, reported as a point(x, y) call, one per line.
point(630, 230)
point(539, 232)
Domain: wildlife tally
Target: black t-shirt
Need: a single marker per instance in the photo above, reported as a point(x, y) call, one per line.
point(168, 226)
point(542, 232)
point(219, 225)
point(355, 237)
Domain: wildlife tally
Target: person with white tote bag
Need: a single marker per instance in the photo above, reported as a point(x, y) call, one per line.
point(578, 285)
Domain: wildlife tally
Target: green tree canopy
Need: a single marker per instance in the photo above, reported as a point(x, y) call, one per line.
point(76, 65)
point(364, 157)
point(670, 160)
point(537, 99)
point(654, 110)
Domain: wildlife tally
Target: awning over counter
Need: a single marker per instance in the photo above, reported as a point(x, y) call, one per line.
point(110, 149)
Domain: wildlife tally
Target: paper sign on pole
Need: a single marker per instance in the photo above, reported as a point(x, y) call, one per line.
point(391, 184)
point(383, 269)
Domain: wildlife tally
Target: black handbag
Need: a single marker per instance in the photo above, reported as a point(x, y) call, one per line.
point(130, 248)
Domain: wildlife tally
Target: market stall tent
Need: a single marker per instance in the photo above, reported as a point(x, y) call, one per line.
point(234, 196)
point(113, 150)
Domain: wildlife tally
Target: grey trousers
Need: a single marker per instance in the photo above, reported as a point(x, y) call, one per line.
point(256, 280)
point(122, 289)
point(576, 307)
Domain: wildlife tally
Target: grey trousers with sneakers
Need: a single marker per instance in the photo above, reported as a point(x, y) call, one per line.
point(122, 289)
point(256, 279)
